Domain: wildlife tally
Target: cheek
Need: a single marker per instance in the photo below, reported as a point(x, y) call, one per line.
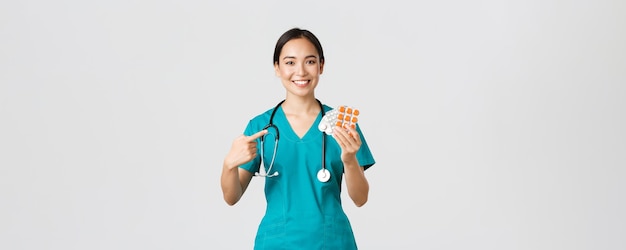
point(285, 73)
point(314, 69)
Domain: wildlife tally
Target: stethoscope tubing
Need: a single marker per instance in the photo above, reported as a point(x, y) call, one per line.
point(323, 175)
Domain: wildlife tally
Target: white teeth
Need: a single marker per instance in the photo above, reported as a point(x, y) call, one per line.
point(300, 82)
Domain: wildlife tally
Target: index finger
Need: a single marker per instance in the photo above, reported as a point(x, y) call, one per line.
point(257, 135)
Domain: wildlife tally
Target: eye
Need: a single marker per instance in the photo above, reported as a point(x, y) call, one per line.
point(311, 62)
point(289, 62)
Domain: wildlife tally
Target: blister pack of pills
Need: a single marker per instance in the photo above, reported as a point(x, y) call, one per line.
point(340, 116)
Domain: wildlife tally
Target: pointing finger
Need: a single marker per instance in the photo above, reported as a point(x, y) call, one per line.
point(257, 135)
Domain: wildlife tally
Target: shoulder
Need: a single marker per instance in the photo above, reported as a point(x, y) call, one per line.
point(258, 122)
point(327, 107)
point(264, 116)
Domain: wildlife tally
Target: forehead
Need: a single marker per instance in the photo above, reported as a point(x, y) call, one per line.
point(299, 47)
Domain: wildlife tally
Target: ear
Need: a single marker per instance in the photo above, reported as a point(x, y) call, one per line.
point(321, 67)
point(276, 69)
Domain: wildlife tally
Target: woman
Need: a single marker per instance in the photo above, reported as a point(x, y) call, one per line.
point(303, 212)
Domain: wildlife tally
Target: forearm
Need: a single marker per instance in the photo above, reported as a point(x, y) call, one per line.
point(231, 185)
point(358, 187)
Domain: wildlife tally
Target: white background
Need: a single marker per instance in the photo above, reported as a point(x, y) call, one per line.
point(495, 124)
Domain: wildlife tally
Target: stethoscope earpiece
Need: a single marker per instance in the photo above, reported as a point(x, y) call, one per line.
point(265, 174)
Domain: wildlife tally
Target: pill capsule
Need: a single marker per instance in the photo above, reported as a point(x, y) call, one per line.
point(342, 116)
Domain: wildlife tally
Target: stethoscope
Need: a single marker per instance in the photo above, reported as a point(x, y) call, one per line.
point(323, 175)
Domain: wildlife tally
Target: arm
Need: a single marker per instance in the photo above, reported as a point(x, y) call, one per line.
point(358, 187)
point(234, 180)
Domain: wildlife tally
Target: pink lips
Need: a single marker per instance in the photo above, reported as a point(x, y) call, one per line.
point(301, 83)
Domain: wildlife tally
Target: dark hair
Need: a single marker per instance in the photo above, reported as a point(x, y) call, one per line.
point(297, 33)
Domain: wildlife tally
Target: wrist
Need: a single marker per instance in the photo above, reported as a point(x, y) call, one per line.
point(350, 162)
point(229, 165)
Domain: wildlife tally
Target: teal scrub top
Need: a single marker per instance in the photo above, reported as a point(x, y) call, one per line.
point(301, 211)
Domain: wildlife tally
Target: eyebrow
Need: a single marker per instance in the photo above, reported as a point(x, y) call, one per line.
point(293, 57)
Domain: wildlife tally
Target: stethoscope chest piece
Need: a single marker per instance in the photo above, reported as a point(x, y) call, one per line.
point(323, 175)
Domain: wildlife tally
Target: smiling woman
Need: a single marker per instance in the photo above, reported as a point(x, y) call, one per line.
point(303, 212)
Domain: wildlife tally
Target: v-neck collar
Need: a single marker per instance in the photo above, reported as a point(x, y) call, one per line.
point(289, 133)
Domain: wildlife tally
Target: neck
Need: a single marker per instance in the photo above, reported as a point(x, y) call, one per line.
point(301, 105)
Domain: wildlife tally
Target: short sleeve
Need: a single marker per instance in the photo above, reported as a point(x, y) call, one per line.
point(364, 155)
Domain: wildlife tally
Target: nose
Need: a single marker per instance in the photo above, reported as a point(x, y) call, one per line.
point(300, 70)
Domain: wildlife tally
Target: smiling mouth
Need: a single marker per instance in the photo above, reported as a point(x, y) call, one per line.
point(301, 82)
